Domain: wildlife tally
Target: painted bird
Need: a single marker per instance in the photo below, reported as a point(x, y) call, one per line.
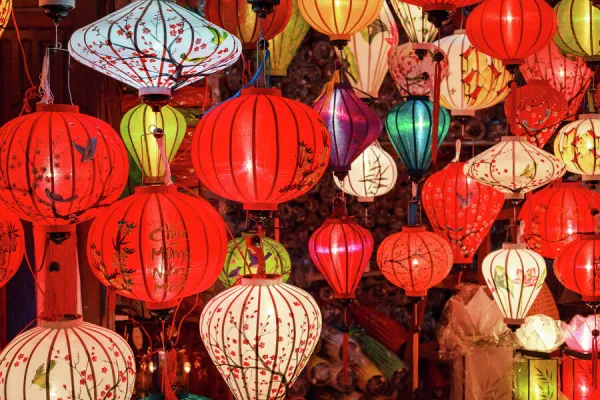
point(57, 198)
point(88, 152)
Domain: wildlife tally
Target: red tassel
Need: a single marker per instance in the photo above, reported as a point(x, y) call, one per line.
point(415, 347)
point(277, 234)
point(513, 93)
point(436, 111)
point(170, 375)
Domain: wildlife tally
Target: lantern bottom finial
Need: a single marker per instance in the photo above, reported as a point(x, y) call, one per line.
point(156, 97)
point(57, 9)
point(438, 17)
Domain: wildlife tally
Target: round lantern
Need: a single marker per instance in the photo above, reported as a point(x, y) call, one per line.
point(240, 262)
point(155, 46)
point(283, 46)
point(439, 11)
point(69, 359)
point(415, 23)
point(238, 18)
point(577, 145)
point(475, 80)
point(514, 275)
point(540, 109)
point(372, 174)
point(353, 126)
point(5, 13)
point(460, 209)
point(576, 267)
point(571, 77)
point(137, 127)
point(158, 246)
point(578, 30)
point(340, 20)
point(410, 128)
point(58, 166)
point(260, 335)
point(511, 30)
point(415, 260)
point(413, 70)
point(514, 167)
point(554, 216)
point(12, 245)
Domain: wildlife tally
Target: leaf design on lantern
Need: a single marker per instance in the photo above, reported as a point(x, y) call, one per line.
point(305, 171)
point(39, 379)
point(545, 386)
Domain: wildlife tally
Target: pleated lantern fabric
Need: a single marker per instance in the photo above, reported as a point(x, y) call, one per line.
point(12, 245)
point(5, 13)
point(260, 149)
point(578, 30)
point(415, 23)
point(58, 166)
point(577, 146)
point(554, 216)
point(341, 249)
point(237, 18)
point(353, 126)
point(284, 45)
point(576, 266)
point(158, 246)
point(69, 359)
point(414, 74)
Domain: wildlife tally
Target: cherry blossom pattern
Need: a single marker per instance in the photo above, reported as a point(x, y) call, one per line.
point(12, 246)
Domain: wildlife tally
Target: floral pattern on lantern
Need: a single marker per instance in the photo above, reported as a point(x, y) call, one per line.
point(67, 359)
point(514, 275)
point(412, 75)
point(578, 30)
point(514, 167)
point(415, 260)
point(157, 46)
point(415, 23)
point(577, 266)
point(59, 166)
point(541, 333)
point(5, 13)
point(283, 46)
point(577, 146)
point(260, 335)
point(12, 246)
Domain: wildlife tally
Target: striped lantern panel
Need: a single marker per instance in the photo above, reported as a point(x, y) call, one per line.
point(578, 32)
point(283, 46)
point(67, 360)
point(12, 245)
point(415, 23)
point(577, 266)
point(577, 146)
point(260, 335)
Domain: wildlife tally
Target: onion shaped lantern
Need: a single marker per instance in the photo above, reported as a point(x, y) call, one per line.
point(415, 23)
point(155, 46)
point(284, 45)
point(514, 275)
point(261, 149)
point(158, 246)
point(577, 266)
point(58, 166)
point(578, 147)
point(260, 335)
point(12, 246)
point(439, 11)
point(514, 167)
point(5, 13)
point(578, 30)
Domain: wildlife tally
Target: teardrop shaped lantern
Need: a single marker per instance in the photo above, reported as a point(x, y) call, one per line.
point(439, 11)
point(540, 109)
point(576, 267)
point(260, 335)
point(415, 23)
point(260, 149)
point(284, 45)
point(5, 13)
point(514, 167)
point(60, 166)
point(578, 147)
point(578, 30)
point(155, 46)
point(158, 246)
point(413, 70)
point(514, 275)
point(12, 245)
point(554, 216)
point(137, 128)
point(569, 76)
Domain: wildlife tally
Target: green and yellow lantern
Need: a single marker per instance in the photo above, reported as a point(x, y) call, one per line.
point(284, 46)
point(578, 30)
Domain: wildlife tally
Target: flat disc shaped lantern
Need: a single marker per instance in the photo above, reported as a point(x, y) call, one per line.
point(576, 267)
point(514, 275)
point(260, 149)
point(283, 46)
point(5, 13)
point(158, 246)
point(514, 167)
point(12, 245)
point(60, 166)
point(578, 30)
point(260, 335)
point(578, 147)
point(415, 23)
point(155, 46)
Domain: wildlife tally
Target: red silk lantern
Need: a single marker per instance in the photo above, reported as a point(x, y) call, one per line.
point(571, 77)
point(57, 165)
point(540, 109)
point(511, 30)
point(158, 246)
point(555, 215)
point(260, 149)
point(12, 245)
point(237, 17)
point(577, 266)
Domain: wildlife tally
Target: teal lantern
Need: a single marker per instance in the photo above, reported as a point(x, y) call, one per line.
point(410, 127)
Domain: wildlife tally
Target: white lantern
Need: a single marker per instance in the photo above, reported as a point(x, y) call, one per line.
point(578, 146)
point(155, 46)
point(414, 22)
point(541, 333)
point(67, 360)
point(514, 167)
point(372, 174)
point(514, 275)
point(260, 335)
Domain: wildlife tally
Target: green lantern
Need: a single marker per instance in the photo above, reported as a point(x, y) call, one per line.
point(578, 29)
point(536, 378)
point(137, 127)
point(285, 45)
point(277, 260)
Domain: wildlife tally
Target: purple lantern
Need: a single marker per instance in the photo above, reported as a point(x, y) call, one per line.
point(353, 126)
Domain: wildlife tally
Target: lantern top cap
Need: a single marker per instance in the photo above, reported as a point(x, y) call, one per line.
point(514, 246)
point(414, 229)
point(63, 324)
point(261, 91)
point(588, 116)
point(413, 97)
point(267, 280)
point(513, 139)
point(70, 108)
point(150, 189)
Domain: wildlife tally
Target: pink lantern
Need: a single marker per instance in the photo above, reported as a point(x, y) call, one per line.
point(580, 380)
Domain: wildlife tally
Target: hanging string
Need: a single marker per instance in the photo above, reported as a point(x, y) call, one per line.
point(45, 91)
point(345, 345)
point(159, 135)
point(438, 58)
point(30, 93)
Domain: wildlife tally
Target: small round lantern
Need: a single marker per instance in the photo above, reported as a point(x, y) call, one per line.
point(414, 70)
point(283, 46)
point(260, 149)
point(12, 245)
point(576, 267)
point(415, 23)
point(577, 363)
point(578, 30)
point(5, 13)
point(577, 146)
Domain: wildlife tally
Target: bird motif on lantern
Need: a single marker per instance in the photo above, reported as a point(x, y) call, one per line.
point(261, 149)
point(12, 245)
point(284, 45)
point(415, 23)
point(5, 13)
point(578, 30)
point(540, 110)
point(158, 47)
point(578, 147)
point(439, 11)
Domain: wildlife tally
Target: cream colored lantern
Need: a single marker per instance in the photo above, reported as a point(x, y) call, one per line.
point(578, 146)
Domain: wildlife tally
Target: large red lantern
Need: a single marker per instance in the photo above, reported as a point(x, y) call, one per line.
point(555, 215)
point(158, 246)
point(58, 166)
point(577, 267)
point(260, 149)
point(12, 245)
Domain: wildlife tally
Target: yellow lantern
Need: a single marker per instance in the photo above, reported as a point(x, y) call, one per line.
point(475, 80)
point(578, 31)
point(415, 23)
point(577, 145)
point(284, 46)
point(367, 54)
point(137, 128)
point(340, 19)
point(5, 12)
